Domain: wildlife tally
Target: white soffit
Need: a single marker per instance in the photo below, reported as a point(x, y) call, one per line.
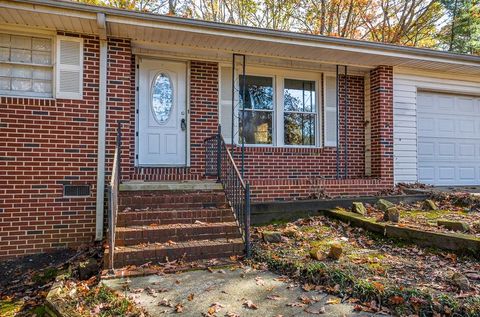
point(220, 39)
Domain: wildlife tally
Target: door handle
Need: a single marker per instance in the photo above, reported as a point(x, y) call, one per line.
point(183, 124)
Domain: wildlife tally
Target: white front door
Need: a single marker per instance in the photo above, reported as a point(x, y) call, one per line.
point(162, 109)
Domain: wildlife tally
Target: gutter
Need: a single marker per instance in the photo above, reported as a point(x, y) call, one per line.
point(346, 43)
point(102, 124)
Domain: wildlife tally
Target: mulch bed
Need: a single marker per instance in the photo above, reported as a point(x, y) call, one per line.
point(377, 274)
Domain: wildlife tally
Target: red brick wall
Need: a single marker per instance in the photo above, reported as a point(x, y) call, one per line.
point(44, 144)
point(121, 103)
point(314, 188)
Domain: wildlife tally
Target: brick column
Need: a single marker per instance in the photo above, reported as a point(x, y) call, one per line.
point(381, 91)
point(203, 110)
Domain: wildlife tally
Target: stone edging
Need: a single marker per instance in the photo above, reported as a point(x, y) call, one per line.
point(457, 242)
point(266, 212)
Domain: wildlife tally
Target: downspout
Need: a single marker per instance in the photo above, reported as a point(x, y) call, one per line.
point(102, 124)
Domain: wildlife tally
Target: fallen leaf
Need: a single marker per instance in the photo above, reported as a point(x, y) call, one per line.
point(190, 297)
point(179, 308)
point(249, 304)
point(165, 302)
point(396, 300)
point(333, 301)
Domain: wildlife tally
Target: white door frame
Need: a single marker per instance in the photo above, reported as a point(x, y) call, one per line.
point(138, 59)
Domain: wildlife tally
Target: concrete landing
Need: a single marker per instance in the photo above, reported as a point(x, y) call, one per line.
point(170, 186)
point(228, 289)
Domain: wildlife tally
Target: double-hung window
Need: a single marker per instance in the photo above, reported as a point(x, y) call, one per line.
point(26, 65)
point(257, 113)
point(276, 107)
point(299, 112)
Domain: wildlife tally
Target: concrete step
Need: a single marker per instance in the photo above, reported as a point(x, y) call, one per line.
point(138, 200)
point(132, 235)
point(172, 216)
point(204, 185)
point(188, 251)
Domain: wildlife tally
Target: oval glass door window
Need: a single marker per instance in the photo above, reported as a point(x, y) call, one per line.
point(162, 98)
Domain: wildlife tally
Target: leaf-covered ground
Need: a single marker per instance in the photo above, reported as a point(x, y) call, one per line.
point(453, 207)
point(89, 298)
point(374, 271)
point(25, 283)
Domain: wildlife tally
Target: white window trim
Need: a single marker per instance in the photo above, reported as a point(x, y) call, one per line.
point(13, 30)
point(279, 76)
point(66, 95)
point(317, 113)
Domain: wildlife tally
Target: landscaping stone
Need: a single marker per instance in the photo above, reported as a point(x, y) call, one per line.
point(317, 254)
point(392, 214)
point(87, 269)
point(383, 205)
point(460, 281)
point(453, 225)
point(336, 251)
point(291, 232)
point(476, 225)
point(271, 236)
point(359, 208)
point(429, 205)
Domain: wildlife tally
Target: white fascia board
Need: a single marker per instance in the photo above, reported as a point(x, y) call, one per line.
point(284, 40)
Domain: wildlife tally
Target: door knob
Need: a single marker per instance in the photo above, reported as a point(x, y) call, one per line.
point(183, 124)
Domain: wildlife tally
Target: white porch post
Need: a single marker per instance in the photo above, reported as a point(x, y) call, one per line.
point(102, 123)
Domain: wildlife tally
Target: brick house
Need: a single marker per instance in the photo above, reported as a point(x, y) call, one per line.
point(319, 114)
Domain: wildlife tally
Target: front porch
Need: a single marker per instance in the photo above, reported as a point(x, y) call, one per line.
point(362, 164)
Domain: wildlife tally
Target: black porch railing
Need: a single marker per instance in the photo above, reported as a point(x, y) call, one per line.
point(219, 162)
point(112, 190)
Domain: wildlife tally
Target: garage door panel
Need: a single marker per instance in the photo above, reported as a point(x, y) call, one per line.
point(426, 174)
point(466, 106)
point(445, 104)
point(446, 150)
point(426, 126)
point(466, 152)
point(467, 173)
point(448, 145)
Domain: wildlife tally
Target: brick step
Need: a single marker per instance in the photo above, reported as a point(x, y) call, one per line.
point(171, 216)
point(188, 251)
point(172, 199)
point(127, 236)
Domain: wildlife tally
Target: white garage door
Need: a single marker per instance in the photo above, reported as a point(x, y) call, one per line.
point(448, 128)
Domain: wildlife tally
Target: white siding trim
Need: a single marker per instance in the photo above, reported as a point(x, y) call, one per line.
point(405, 88)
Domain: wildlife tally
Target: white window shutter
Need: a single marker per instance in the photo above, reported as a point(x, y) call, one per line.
point(226, 102)
point(330, 111)
point(69, 74)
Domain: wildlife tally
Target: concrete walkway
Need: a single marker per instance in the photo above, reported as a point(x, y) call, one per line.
point(228, 292)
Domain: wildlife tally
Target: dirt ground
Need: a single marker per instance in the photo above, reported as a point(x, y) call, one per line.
point(370, 266)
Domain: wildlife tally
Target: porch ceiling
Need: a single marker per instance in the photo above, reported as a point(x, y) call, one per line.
point(218, 41)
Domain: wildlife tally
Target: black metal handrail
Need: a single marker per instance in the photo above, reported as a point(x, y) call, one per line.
point(220, 163)
point(113, 188)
